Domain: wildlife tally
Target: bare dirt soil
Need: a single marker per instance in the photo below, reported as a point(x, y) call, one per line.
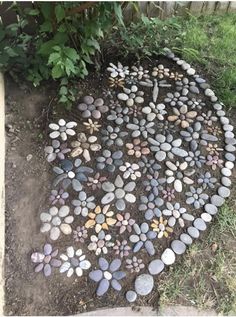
point(28, 178)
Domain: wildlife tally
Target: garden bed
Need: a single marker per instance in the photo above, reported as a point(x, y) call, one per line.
point(29, 179)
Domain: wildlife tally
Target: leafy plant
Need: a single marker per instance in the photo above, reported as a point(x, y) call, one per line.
point(64, 42)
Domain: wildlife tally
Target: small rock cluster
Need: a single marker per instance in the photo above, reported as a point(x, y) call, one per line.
point(139, 168)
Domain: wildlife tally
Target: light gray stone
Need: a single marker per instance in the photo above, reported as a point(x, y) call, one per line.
point(185, 238)
point(131, 296)
point(178, 247)
point(217, 200)
point(144, 284)
point(224, 191)
point(226, 181)
point(200, 224)
point(168, 256)
point(155, 267)
point(193, 232)
point(211, 209)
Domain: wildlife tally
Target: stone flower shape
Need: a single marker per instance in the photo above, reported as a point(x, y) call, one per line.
point(83, 204)
point(109, 160)
point(141, 127)
point(213, 149)
point(134, 264)
point(165, 146)
point(206, 180)
point(92, 126)
point(131, 96)
point(80, 234)
point(168, 193)
point(214, 161)
point(182, 116)
point(176, 76)
point(96, 181)
point(56, 221)
point(122, 248)
point(160, 71)
point(154, 183)
point(107, 275)
point(160, 226)
point(92, 108)
point(148, 166)
point(195, 159)
point(118, 70)
point(56, 150)
point(46, 260)
point(58, 196)
point(155, 111)
point(130, 171)
point(177, 174)
point(116, 82)
point(196, 104)
point(142, 238)
point(101, 218)
point(139, 72)
point(175, 99)
point(84, 146)
point(74, 262)
point(214, 130)
point(186, 85)
point(151, 205)
point(191, 134)
point(71, 174)
point(113, 136)
point(196, 197)
point(62, 129)
point(176, 213)
point(137, 148)
point(124, 222)
point(131, 80)
point(207, 118)
point(135, 111)
point(119, 191)
point(119, 115)
point(100, 243)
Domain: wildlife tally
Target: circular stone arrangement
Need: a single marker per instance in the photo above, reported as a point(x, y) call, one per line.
point(137, 178)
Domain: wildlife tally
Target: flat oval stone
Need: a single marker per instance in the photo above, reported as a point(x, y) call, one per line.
point(226, 172)
point(155, 267)
point(122, 96)
point(224, 191)
point(185, 238)
point(200, 224)
point(229, 165)
point(230, 157)
point(108, 187)
point(211, 209)
point(144, 284)
point(107, 198)
point(226, 181)
point(193, 232)
point(168, 256)
point(131, 296)
point(206, 217)
point(228, 148)
point(217, 200)
point(178, 247)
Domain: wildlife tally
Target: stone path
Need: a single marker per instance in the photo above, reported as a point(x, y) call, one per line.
point(138, 177)
point(148, 311)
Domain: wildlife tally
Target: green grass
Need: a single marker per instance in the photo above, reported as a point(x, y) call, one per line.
point(209, 42)
point(213, 37)
point(206, 277)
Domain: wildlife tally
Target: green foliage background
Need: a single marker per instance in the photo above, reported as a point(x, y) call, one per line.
point(71, 38)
